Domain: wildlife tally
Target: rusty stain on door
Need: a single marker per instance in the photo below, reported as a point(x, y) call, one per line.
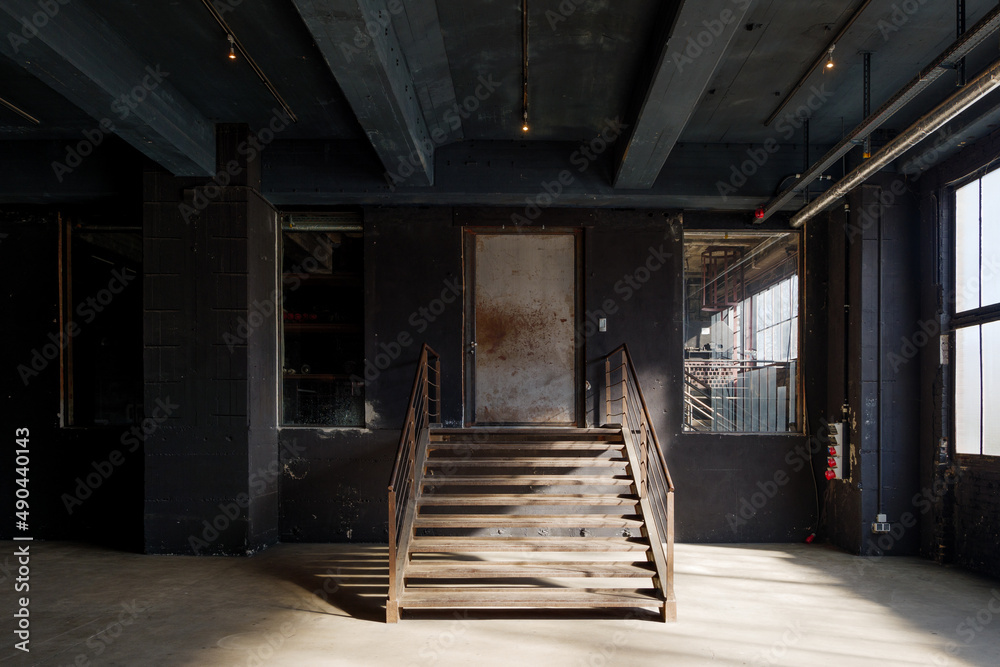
point(524, 314)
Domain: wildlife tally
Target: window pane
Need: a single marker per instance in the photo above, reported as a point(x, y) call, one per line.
point(323, 313)
point(991, 388)
point(967, 247)
point(746, 376)
point(990, 239)
point(968, 391)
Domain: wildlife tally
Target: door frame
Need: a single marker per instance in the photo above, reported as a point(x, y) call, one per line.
point(469, 322)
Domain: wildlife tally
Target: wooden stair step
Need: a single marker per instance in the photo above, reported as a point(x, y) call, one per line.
point(586, 445)
point(463, 569)
point(422, 544)
point(514, 499)
point(487, 598)
point(532, 432)
point(528, 480)
point(528, 462)
point(528, 520)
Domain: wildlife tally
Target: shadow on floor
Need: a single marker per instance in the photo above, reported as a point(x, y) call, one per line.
point(355, 579)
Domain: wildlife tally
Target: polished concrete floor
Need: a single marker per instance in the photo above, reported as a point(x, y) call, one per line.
point(304, 605)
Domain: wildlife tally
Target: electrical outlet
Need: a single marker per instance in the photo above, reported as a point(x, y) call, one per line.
point(881, 525)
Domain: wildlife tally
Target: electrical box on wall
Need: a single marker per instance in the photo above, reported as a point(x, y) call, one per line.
point(835, 451)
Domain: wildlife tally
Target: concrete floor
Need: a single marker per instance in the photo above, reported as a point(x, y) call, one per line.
point(738, 605)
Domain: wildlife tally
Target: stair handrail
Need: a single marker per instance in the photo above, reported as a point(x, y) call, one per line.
point(404, 483)
point(653, 480)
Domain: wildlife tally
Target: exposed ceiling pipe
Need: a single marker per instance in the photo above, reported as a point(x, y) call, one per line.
point(974, 91)
point(944, 62)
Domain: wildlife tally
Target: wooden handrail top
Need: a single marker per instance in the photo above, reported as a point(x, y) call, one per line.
point(426, 352)
point(623, 349)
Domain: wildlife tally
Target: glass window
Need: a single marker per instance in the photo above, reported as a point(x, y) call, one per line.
point(741, 332)
point(977, 331)
point(323, 333)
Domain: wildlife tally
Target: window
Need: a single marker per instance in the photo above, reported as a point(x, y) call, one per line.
point(102, 324)
point(323, 335)
point(741, 332)
point(976, 317)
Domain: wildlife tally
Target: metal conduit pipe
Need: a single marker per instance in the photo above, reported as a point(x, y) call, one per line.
point(943, 63)
point(974, 91)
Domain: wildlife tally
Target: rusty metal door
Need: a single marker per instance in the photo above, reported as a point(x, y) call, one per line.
point(522, 360)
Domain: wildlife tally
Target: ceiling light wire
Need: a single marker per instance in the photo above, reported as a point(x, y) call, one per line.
point(524, 63)
point(20, 112)
point(253, 64)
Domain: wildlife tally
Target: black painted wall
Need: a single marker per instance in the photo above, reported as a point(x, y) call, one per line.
point(85, 483)
point(872, 308)
point(212, 466)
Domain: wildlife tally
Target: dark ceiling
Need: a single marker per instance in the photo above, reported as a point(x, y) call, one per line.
point(371, 83)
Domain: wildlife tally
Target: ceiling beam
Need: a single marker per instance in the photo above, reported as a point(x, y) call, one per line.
point(76, 53)
point(364, 51)
point(688, 57)
point(534, 176)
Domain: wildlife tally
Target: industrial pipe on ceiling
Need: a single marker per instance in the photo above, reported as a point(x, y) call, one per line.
point(974, 91)
point(943, 63)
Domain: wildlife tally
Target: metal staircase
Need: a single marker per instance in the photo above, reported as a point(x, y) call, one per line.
point(527, 517)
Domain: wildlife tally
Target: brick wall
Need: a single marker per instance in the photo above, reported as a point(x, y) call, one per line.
point(977, 515)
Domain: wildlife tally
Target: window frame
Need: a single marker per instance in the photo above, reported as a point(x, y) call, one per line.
point(964, 319)
point(799, 317)
point(315, 222)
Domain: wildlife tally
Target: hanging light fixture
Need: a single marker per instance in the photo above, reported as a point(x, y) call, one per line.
point(829, 59)
point(232, 48)
point(524, 64)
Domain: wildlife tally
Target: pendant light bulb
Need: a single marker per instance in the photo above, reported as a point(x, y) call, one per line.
point(829, 59)
point(232, 48)
point(524, 128)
